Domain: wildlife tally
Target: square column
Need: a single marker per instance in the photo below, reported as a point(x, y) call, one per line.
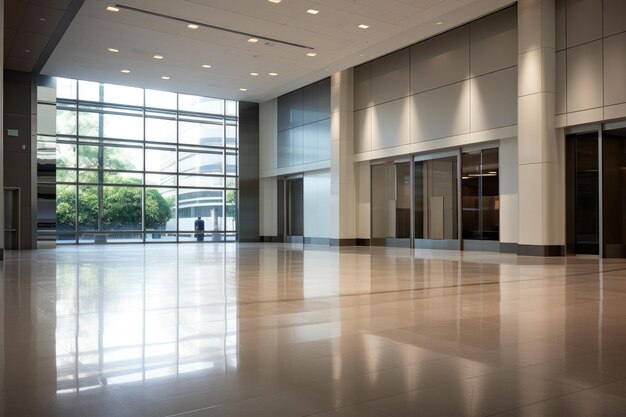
point(540, 149)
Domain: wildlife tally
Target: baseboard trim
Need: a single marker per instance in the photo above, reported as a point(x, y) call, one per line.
point(363, 242)
point(342, 242)
point(323, 241)
point(541, 250)
point(508, 247)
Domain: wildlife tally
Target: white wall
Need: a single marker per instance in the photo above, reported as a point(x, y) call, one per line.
point(508, 191)
point(317, 204)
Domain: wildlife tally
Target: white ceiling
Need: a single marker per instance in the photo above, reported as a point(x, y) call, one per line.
point(333, 33)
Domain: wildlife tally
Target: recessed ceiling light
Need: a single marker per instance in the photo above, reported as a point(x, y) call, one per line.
point(311, 54)
point(312, 11)
point(243, 89)
point(192, 26)
point(363, 26)
point(206, 66)
point(439, 23)
point(113, 50)
point(27, 50)
point(273, 74)
point(253, 40)
point(254, 74)
point(158, 57)
point(125, 71)
point(165, 77)
point(274, 1)
point(113, 9)
point(42, 19)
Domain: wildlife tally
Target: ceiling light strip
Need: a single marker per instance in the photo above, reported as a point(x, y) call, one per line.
point(206, 25)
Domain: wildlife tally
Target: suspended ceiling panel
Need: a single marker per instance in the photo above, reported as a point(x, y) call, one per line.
point(332, 34)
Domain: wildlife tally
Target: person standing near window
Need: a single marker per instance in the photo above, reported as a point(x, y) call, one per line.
point(199, 228)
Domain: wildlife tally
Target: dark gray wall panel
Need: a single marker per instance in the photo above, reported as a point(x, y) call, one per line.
point(310, 142)
point(615, 69)
point(362, 86)
point(440, 61)
point(323, 140)
point(493, 42)
point(248, 172)
point(297, 145)
point(284, 148)
point(584, 21)
point(323, 99)
point(584, 77)
point(614, 17)
point(390, 77)
point(309, 104)
point(494, 100)
point(441, 113)
point(290, 110)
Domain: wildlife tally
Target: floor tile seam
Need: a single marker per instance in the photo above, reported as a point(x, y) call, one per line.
point(578, 391)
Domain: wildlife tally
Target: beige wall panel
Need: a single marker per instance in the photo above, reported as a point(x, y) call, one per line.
point(363, 130)
point(362, 86)
point(584, 77)
point(614, 17)
point(561, 24)
point(440, 113)
point(561, 82)
point(615, 69)
point(440, 61)
point(508, 191)
point(494, 100)
point(390, 77)
point(493, 42)
point(584, 21)
point(390, 124)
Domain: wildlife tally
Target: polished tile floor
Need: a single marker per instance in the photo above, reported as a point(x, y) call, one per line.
point(274, 330)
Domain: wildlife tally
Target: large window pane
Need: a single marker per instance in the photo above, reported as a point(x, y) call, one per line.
point(66, 208)
point(88, 91)
point(161, 160)
point(206, 134)
point(66, 88)
point(160, 209)
point(481, 195)
point(66, 155)
point(66, 122)
point(207, 204)
point(200, 181)
point(231, 136)
point(201, 163)
point(199, 104)
point(121, 208)
point(231, 210)
point(160, 99)
point(88, 206)
point(110, 157)
point(161, 180)
point(120, 94)
point(160, 130)
point(114, 126)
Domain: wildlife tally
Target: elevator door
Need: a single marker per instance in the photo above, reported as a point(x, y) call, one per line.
point(583, 194)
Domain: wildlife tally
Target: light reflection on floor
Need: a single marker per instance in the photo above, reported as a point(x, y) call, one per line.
point(273, 330)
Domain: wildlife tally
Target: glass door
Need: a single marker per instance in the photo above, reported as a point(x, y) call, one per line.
point(481, 199)
point(295, 208)
point(391, 203)
point(436, 203)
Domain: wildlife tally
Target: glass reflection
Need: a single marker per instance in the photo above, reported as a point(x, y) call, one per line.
point(142, 323)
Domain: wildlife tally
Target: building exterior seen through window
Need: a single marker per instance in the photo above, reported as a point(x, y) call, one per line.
point(143, 165)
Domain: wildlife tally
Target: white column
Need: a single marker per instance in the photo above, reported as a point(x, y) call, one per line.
point(540, 153)
point(342, 186)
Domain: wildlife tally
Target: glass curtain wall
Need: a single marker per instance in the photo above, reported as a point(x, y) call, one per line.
point(436, 195)
point(142, 165)
point(481, 195)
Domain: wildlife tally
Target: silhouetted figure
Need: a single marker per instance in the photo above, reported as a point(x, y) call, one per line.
point(198, 226)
